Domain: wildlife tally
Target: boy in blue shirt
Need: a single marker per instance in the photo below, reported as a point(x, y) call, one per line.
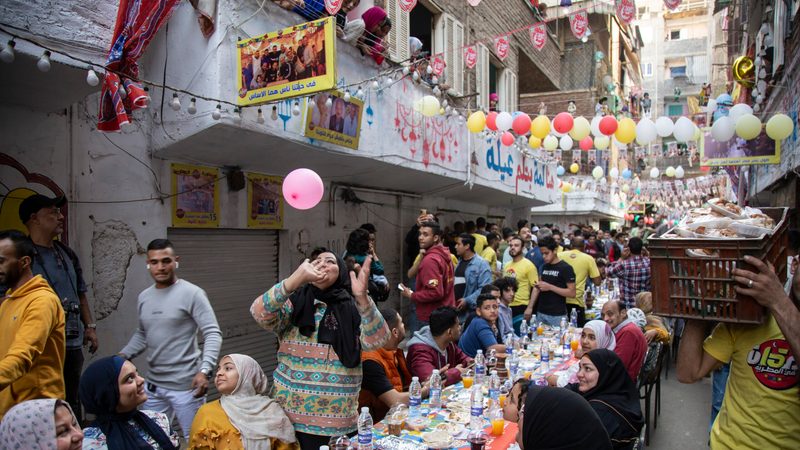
point(482, 331)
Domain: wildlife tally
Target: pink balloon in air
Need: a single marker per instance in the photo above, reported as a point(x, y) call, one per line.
point(303, 188)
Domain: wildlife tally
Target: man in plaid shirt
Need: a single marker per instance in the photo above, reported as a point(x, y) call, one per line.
point(633, 271)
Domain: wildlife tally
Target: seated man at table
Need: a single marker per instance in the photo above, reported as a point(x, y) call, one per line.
point(482, 332)
point(386, 376)
point(434, 347)
point(631, 344)
point(506, 287)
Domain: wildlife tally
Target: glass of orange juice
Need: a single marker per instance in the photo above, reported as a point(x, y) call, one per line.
point(467, 379)
point(573, 344)
point(498, 423)
point(540, 329)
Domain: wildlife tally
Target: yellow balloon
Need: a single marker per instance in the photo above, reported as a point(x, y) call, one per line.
point(430, 106)
point(779, 127)
point(626, 130)
point(476, 122)
point(748, 127)
point(550, 142)
point(566, 187)
point(580, 128)
point(574, 168)
point(534, 142)
point(540, 126)
point(601, 142)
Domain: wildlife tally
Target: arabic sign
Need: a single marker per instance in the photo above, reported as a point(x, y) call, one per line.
point(196, 196)
point(437, 65)
point(407, 5)
point(626, 10)
point(538, 36)
point(501, 46)
point(579, 24)
point(739, 152)
point(673, 4)
point(265, 201)
point(338, 124)
point(470, 57)
point(292, 62)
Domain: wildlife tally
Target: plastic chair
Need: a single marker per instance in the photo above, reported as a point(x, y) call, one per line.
point(649, 381)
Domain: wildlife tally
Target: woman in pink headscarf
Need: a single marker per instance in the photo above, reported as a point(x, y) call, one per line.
point(376, 26)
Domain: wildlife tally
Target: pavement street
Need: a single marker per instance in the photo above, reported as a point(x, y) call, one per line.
point(685, 409)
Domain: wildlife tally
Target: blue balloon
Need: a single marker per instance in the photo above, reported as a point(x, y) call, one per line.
point(724, 100)
point(560, 170)
point(627, 174)
point(515, 114)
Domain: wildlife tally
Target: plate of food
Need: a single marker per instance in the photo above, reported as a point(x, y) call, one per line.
point(726, 208)
point(451, 428)
point(437, 439)
point(417, 423)
point(457, 416)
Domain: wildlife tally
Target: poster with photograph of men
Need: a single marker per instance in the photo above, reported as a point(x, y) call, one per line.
point(739, 152)
point(332, 119)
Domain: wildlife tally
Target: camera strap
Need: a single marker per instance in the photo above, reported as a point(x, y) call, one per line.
point(61, 262)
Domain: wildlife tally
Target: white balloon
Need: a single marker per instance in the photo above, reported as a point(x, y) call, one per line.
point(597, 172)
point(679, 173)
point(723, 129)
point(646, 131)
point(595, 126)
point(504, 121)
point(613, 172)
point(566, 142)
point(664, 126)
point(550, 142)
point(654, 172)
point(684, 130)
point(739, 110)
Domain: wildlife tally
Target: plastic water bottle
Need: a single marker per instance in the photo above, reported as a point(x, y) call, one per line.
point(509, 343)
point(513, 366)
point(523, 328)
point(573, 318)
point(563, 324)
point(566, 338)
point(480, 367)
point(494, 387)
point(545, 352)
point(365, 430)
point(435, 390)
point(414, 397)
point(476, 408)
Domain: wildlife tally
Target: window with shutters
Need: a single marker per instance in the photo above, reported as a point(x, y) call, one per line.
point(398, 35)
point(482, 76)
point(449, 41)
point(507, 90)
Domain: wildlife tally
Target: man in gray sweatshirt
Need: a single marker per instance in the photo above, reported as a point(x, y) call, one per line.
point(170, 313)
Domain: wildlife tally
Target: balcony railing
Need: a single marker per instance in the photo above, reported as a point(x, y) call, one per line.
point(682, 47)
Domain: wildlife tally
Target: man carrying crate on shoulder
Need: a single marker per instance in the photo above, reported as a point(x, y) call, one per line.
point(761, 408)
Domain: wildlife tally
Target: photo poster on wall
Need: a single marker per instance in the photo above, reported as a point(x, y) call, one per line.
point(339, 123)
point(195, 201)
point(292, 62)
point(739, 152)
point(264, 201)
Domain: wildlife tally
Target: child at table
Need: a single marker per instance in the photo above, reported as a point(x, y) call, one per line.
point(482, 332)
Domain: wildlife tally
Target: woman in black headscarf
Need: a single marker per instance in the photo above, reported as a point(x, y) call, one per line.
point(603, 381)
point(111, 389)
point(323, 318)
point(558, 419)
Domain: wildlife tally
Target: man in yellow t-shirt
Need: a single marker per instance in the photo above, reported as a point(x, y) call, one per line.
point(761, 408)
point(480, 240)
point(490, 254)
point(525, 272)
point(585, 268)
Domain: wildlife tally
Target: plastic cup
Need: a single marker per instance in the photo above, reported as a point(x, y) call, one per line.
point(467, 381)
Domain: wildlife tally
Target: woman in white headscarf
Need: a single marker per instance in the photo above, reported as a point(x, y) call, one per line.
point(595, 334)
point(47, 424)
point(244, 417)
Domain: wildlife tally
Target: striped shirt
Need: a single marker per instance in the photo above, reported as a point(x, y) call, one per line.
point(317, 392)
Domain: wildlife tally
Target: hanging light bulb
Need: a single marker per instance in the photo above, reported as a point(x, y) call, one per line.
point(406, 70)
point(429, 69)
point(91, 78)
point(7, 54)
point(389, 80)
point(415, 76)
point(175, 103)
point(444, 103)
point(237, 115)
point(347, 95)
point(44, 61)
point(217, 113)
point(435, 80)
point(376, 85)
point(360, 93)
point(296, 108)
point(436, 91)
point(192, 109)
point(329, 101)
point(274, 115)
point(260, 116)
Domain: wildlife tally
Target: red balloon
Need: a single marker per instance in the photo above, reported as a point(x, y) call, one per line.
point(563, 122)
point(586, 143)
point(521, 124)
point(608, 125)
point(507, 139)
point(704, 168)
point(491, 121)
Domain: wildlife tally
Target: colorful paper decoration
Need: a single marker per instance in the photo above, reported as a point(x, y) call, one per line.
point(501, 46)
point(333, 6)
point(626, 10)
point(579, 23)
point(470, 57)
point(437, 65)
point(407, 5)
point(538, 36)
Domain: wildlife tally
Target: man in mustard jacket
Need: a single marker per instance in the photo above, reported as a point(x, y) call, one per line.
point(32, 342)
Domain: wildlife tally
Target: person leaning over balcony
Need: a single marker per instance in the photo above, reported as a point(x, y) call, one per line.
point(376, 27)
point(323, 318)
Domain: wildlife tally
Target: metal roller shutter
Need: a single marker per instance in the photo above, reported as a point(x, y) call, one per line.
point(233, 267)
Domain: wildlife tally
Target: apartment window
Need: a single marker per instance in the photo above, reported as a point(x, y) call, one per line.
point(647, 69)
point(421, 26)
point(674, 35)
point(449, 40)
point(398, 36)
point(507, 90)
point(483, 77)
point(675, 110)
point(677, 71)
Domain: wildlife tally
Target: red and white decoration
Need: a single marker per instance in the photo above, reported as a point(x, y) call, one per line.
point(333, 6)
point(437, 65)
point(626, 10)
point(672, 4)
point(538, 36)
point(473, 2)
point(470, 57)
point(407, 5)
point(579, 23)
point(501, 46)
